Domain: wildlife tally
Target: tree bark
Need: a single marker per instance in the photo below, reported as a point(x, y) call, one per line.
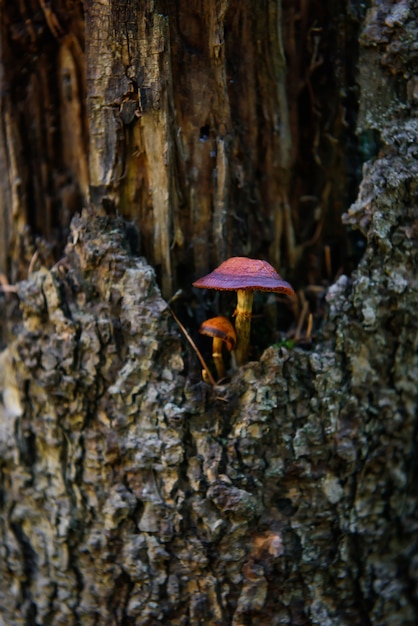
point(215, 127)
point(131, 493)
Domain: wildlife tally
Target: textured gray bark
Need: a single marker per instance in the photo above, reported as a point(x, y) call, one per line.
point(287, 496)
point(130, 495)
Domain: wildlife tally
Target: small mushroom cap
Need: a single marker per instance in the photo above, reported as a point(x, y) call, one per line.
point(221, 328)
point(238, 272)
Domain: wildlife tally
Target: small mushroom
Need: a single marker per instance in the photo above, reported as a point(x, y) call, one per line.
point(222, 331)
point(244, 276)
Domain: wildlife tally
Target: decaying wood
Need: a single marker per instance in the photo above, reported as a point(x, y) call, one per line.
point(43, 137)
point(132, 493)
point(209, 125)
point(287, 496)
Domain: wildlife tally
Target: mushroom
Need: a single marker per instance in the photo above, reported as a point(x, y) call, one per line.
point(222, 331)
point(244, 276)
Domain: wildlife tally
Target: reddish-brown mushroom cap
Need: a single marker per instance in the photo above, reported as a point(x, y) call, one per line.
point(221, 328)
point(241, 273)
point(244, 276)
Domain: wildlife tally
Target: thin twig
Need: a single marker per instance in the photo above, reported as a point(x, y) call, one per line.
point(194, 346)
point(309, 326)
point(328, 262)
point(302, 316)
point(316, 290)
point(32, 262)
point(4, 285)
point(8, 288)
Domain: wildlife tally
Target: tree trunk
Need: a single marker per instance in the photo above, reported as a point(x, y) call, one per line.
point(131, 492)
point(215, 127)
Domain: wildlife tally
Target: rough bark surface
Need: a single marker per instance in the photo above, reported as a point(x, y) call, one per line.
point(287, 496)
point(131, 494)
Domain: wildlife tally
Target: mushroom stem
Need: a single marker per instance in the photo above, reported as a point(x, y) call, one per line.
point(243, 323)
point(217, 357)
